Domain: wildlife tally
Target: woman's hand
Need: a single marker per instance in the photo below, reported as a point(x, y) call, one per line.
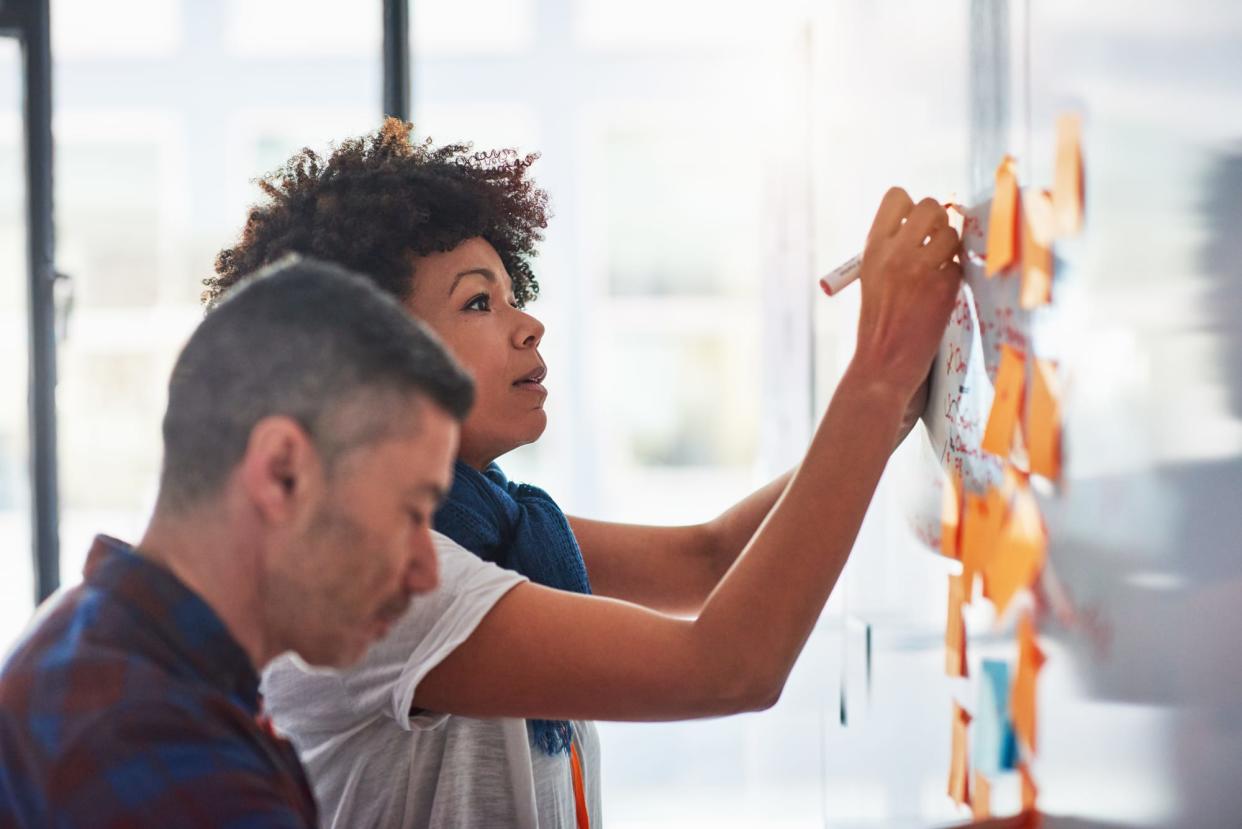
point(909, 285)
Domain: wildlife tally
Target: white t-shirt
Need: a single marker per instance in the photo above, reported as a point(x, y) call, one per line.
point(372, 764)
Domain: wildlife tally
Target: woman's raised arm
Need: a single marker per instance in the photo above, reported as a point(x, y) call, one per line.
point(543, 653)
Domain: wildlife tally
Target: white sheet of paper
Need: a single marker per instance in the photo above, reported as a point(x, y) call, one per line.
point(987, 316)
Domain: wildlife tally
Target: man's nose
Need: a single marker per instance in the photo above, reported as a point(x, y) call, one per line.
point(423, 573)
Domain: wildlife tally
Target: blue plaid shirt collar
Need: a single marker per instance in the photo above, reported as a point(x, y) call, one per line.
point(188, 635)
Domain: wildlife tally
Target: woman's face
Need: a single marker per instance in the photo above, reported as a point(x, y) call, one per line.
point(466, 296)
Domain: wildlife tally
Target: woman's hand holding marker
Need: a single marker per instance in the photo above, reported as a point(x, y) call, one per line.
point(843, 275)
point(909, 284)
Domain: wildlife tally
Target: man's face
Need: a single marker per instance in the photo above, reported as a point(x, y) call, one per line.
point(465, 295)
point(366, 548)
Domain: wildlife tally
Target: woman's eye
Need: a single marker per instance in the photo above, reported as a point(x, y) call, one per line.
point(482, 302)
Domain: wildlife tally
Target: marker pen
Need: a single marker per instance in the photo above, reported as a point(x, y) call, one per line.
point(841, 275)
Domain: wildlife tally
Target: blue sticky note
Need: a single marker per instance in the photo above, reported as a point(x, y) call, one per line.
point(996, 746)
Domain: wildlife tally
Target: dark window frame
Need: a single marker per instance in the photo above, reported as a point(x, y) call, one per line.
point(27, 21)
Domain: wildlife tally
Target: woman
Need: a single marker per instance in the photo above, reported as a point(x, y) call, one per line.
point(592, 634)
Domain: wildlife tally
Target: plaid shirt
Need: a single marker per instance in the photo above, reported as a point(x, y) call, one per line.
point(128, 703)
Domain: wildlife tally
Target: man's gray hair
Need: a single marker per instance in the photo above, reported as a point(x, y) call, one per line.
point(307, 340)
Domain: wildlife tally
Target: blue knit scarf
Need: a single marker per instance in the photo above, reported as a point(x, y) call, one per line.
point(519, 527)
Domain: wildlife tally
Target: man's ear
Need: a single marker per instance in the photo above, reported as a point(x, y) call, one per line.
point(281, 471)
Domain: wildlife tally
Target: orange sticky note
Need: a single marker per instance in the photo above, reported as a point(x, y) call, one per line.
point(1037, 225)
point(959, 769)
point(951, 517)
point(981, 797)
point(1003, 219)
point(1020, 551)
point(1042, 425)
point(1067, 187)
point(1006, 403)
point(955, 630)
point(1029, 790)
point(1022, 699)
point(981, 523)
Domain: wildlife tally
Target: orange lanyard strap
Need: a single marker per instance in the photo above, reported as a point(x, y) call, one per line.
point(584, 818)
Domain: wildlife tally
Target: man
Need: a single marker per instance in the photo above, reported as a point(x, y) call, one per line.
point(309, 437)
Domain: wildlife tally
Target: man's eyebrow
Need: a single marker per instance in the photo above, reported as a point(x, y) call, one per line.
point(486, 273)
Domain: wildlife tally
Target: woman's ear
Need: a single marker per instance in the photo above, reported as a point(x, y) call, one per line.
point(281, 470)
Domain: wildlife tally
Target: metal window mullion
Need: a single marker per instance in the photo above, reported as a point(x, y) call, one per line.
point(989, 88)
point(37, 60)
point(397, 58)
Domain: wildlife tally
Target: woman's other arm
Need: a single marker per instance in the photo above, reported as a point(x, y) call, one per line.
point(671, 569)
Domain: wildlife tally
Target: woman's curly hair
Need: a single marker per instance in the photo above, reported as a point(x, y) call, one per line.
point(378, 200)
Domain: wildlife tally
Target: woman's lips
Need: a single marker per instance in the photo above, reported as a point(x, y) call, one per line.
point(531, 386)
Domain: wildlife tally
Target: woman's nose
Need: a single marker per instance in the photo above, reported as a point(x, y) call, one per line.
point(529, 332)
